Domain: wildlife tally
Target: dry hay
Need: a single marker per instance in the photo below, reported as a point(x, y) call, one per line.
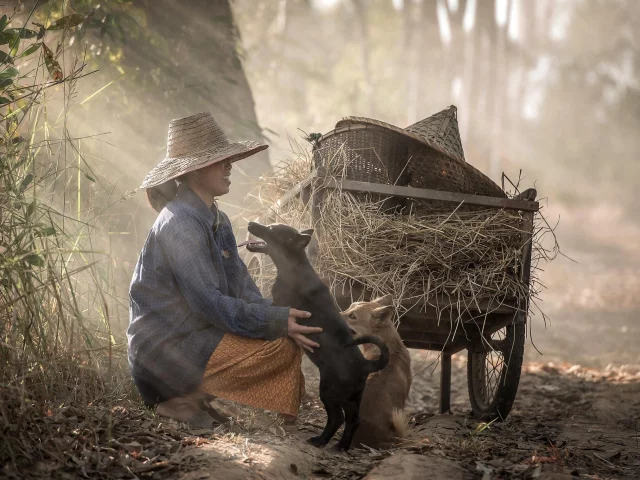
point(430, 249)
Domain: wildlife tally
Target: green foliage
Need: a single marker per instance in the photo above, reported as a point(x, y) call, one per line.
point(5, 58)
point(67, 22)
point(52, 64)
point(32, 49)
point(52, 291)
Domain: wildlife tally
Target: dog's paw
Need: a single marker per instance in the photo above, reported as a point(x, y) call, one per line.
point(337, 448)
point(316, 442)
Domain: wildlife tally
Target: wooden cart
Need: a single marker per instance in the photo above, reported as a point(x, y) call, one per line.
point(494, 356)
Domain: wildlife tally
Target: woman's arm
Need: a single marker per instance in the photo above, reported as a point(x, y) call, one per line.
point(184, 241)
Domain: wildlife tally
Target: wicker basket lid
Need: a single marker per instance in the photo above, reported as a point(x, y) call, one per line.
point(439, 131)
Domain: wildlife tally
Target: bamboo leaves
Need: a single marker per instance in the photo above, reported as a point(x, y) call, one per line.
point(7, 37)
point(12, 37)
point(53, 67)
point(35, 260)
point(5, 58)
point(8, 73)
point(31, 208)
point(31, 49)
point(6, 77)
point(12, 33)
point(25, 183)
point(67, 22)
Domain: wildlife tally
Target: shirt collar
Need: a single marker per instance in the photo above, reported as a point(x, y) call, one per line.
point(188, 196)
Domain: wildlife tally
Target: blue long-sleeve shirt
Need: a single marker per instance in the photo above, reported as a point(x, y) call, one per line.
point(189, 288)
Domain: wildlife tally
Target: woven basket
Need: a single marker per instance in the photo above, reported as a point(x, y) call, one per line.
point(366, 152)
point(429, 168)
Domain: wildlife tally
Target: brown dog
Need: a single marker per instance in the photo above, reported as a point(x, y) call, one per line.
point(382, 417)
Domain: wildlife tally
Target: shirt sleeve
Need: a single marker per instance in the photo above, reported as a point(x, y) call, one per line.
point(250, 292)
point(184, 241)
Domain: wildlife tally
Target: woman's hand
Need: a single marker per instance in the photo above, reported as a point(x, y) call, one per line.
point(297, 332)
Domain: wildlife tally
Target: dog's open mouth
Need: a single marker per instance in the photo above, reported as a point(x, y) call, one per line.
point(257, 246)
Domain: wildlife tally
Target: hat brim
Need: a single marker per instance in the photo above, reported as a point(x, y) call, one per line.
point(345, 122)
point(173, 167)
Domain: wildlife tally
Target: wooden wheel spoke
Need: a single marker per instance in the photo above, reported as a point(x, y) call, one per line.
point(493, 365)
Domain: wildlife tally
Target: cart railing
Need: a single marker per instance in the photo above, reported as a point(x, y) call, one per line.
point(318, 179)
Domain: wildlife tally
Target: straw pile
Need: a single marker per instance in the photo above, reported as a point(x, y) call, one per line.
point(464, 252)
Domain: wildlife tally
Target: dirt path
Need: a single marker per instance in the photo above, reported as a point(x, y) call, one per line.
point(567, 422)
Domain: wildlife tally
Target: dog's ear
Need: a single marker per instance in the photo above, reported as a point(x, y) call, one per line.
point(302, 240)
point(309, 232)
point(385, 301)
point(381, 315)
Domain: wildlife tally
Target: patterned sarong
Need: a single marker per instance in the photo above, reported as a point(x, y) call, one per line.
point(257, 373)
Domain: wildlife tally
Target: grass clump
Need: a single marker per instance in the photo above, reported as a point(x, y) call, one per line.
point(62, 366)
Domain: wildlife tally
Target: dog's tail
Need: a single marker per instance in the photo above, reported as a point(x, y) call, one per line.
point(379, 363)
point(400, 422)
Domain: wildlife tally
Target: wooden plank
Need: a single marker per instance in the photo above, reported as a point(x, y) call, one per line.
point(411, 326)
point(430, 194)
point(525, 274)
point(442, 337)
point(427, 309)
point(445, 383)
point(444, 302)
point(291, 194)
point(435, 346)
point(436, 341)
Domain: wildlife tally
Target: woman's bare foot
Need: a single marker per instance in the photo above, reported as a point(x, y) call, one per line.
point(179, 408)
point(194, 408)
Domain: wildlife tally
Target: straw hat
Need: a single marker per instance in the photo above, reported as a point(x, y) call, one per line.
point(439, 131)
point(196, 142)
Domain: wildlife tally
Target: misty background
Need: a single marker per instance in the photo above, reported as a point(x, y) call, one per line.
point(547, 87)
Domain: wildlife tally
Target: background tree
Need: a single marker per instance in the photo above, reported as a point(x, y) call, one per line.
point(549, 87)
point(159, 60)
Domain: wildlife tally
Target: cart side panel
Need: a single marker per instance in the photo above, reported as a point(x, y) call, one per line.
point(525, 274)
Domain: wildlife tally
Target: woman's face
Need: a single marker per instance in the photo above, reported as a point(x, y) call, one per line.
point(214, 180)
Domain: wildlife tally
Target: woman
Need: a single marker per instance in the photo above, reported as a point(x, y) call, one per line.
point(198, 324)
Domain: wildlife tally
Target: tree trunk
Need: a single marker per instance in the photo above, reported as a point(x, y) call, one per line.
point(194, 65)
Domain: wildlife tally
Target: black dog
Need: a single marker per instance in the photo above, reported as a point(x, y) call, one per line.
point(343, 368)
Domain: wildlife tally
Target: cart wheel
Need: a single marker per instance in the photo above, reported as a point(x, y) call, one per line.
point(493, 374)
